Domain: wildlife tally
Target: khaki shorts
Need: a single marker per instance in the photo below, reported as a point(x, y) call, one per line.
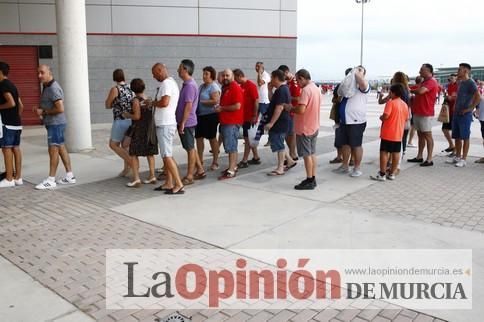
point(422, 123)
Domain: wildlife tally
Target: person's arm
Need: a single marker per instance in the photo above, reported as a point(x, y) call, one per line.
point(361, 81)
point(228, 108)
point(260, 79)
point(162, 103)
point(57, 109)
point(10, 102)
point(256, 111)
point(275, 116)
point(113, 93)
point(186, 113)
point(214, 99)
point(136, 113)
point(476, 98)
point(420, 91)
point(383, 100)
point(386, 112)
point(20, 107)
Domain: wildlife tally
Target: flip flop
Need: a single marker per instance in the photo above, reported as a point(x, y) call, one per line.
point(274, 173)
point(287, 168)
point(187, 181)
point(179, 192)
point(199, 176)
point(160, 188)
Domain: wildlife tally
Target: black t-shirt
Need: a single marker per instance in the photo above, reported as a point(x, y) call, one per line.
point(10, 116)
point(280, 96)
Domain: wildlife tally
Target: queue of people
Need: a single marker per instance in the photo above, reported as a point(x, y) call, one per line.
point(285, 105)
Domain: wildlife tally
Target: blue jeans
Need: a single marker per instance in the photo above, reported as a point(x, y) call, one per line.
point(55, 134)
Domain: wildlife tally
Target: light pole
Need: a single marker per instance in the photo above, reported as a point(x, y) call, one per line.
point(362, 26)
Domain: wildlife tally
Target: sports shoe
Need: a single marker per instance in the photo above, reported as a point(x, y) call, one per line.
point(46, 185)
point(378, 177)
point(453, 160)
point(306, 184)
point(461, 163)
point(391, 177)
point(410, 145)
point(341, 169)
point(7, 184)
point(356, 173)
point(18, 182)
point(67, 180)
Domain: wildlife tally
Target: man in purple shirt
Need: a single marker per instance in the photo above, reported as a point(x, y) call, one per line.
point(186, 119)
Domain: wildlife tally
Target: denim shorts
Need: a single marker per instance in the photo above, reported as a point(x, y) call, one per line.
point(461, 126)
point(230, 135)
point(10, 139)
point(277, 141)
point(118, 130)
point(55, 134)
point(188, 138)
point(263, 107)
point(165, 135)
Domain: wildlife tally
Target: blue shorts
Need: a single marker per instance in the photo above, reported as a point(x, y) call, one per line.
point(118, 130)
point(263, 108)
point(11, 138)
point(55, 134)
point(277, 141)
point(461, 126)
point(188, 138)
point(230, 135)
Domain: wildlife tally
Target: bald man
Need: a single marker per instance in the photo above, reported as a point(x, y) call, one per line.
point(231, 117)
point(165, 102)
point(52, 112)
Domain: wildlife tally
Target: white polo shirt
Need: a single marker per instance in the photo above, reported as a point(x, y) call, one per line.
point(166, 115)
point(263, 90)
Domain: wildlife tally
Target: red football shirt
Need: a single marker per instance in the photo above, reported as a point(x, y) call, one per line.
point(295, 91)
point(251, 94)
point(424, 105)
point(452, 92)
point(232, 94)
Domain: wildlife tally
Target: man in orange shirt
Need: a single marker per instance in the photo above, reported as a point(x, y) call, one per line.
point(306, 127)
point(394, 117)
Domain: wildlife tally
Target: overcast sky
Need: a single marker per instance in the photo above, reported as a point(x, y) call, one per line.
point(399, 35)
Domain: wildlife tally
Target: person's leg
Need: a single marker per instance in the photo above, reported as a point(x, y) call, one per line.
point(135, 166)
point(232, 161)
point(255, 153)
point(121, 152)
point(448, 137)
point(53, 159)
point(314, 162)
point(465, 149)
point(214, 145)
point(404, 141)
point(421, 144)
point(458, 148)
point(395, 162)
point(411, 135)
point(291, 144)
point(281, 156)
point(383, 162)
point(200, 149)
point(357, 153)
point(429, 140)
point(8, 160)
point(17, 154)
point(309, 166)
point(245, 158)
point(339, 153)
point(66, 160)
point(346, 155)
point(151, 165)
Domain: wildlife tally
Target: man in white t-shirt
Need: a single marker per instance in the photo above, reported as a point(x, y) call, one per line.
point(263, 79)
point(352, 113)
point(166, 99)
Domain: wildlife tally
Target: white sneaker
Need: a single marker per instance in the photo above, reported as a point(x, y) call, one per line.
point(18, 182)
point(46, 185)
point(378, 177)
point(7, 184)
point(391, 177)
point(453, 160)
point(461, 163)
point(67, 180)
point(356, 173)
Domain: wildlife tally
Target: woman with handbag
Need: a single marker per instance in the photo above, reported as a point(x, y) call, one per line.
point(119, 101)
point(143, 135)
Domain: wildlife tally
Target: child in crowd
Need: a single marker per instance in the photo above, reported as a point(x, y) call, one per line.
point(393, 120)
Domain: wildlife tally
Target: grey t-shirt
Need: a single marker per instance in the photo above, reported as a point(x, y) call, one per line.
point(465, 93)
point(52, 93)
point(205, 92)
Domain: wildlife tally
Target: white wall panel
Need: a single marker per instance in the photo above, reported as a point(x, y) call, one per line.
point(289, 5)
point(9, 18)
point(105, 2)
point(98, 18)
point(288, 23)
point(156, 20)
point(37, 17)
point(157, 3)
point(239, 22)
point(241, 4)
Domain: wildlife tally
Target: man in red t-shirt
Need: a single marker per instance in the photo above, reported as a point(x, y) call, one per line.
point(251, 112)
point(295, 91)
point(450, 97)
point(231, 116)
point(423, 112)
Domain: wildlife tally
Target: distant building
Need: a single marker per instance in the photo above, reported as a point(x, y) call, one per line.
point(442, 74)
